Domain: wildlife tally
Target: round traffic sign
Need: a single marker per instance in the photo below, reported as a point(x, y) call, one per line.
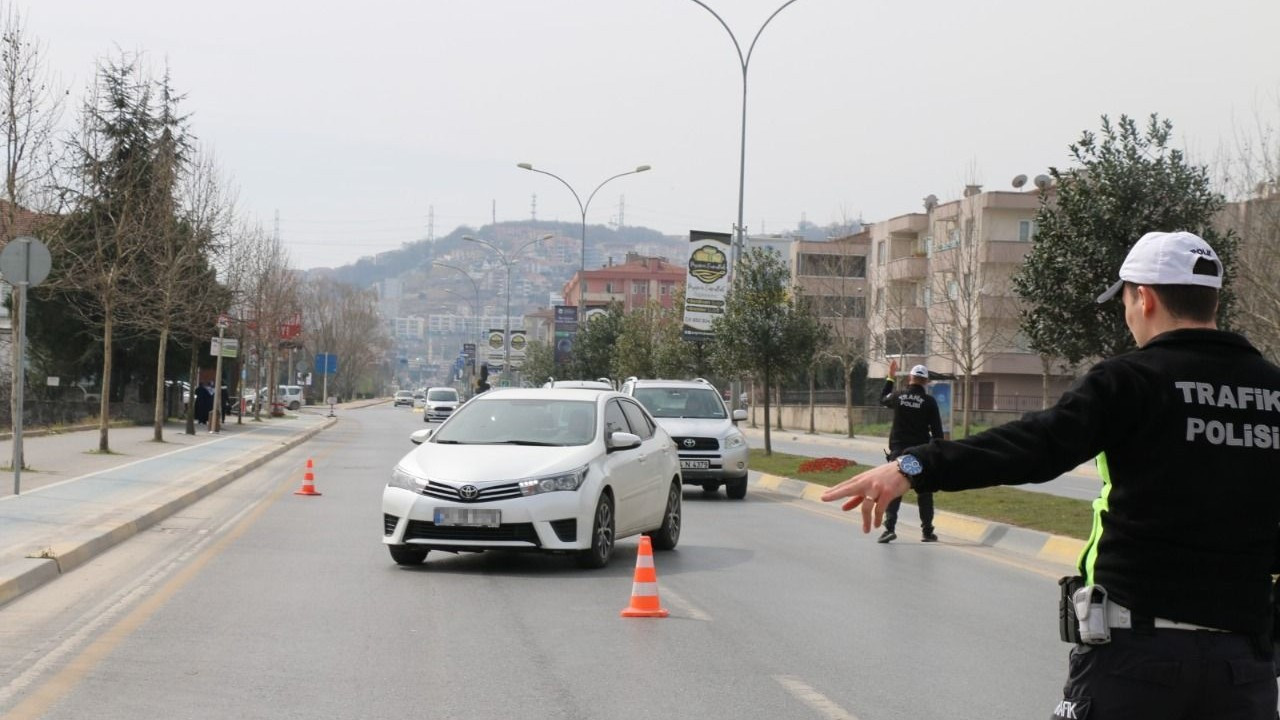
point(25, 260)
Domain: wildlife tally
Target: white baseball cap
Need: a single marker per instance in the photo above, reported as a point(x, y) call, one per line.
point(1161, 258)
point(920, 371)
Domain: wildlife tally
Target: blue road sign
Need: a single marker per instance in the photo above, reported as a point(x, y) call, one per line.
point(326, 363)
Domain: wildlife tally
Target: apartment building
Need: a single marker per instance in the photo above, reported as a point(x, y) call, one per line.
point(833, 274)
point(634, 283)
point(941, 295)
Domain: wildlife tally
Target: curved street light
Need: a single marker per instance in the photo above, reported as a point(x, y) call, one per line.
point(582, 207)
point(745, 62)
point(475, 312)
point(507, 260)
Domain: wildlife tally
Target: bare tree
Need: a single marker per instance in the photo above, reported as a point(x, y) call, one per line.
point(343, 320)
point(30, 109)
point(972, 313)
point(1249, 176)
point(834, 282)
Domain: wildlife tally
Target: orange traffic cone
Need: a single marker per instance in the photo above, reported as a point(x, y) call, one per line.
point(644, 589)
point(308, 482)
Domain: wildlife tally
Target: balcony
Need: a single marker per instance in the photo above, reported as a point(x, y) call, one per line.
point(1005, 252)
point(910, 267)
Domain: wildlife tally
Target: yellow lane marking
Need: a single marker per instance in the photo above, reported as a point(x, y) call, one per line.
point(38, 704)
point(816, 701)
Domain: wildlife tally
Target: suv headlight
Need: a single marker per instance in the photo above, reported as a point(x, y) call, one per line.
point(569, 481)
point(405, 480)
point(735, 440)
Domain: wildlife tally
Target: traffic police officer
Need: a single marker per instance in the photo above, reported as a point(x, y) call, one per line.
point(1173, 619)
point(916, 420)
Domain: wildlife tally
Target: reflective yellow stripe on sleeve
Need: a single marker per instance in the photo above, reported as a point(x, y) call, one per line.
point(1089, 555)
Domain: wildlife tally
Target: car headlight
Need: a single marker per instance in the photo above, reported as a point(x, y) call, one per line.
point(571, 480)
point(735, 440)
point(405, 480)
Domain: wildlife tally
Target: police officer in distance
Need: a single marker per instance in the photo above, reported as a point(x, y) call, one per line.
point(1177, 571)
point(916, 420)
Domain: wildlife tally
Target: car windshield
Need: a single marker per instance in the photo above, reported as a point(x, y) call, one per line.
point(675, 402)
point(442, 395)
point(511, 421)
point(404, 394)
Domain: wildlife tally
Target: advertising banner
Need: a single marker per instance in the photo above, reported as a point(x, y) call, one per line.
point(707, 282)
point(566, 331)
point(495, 348)
point(519, 344)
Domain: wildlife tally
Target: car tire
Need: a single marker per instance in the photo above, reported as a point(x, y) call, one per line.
point(408, 555)
point(666, 537)
point(736, 488)
point(295, 405)
point(602, 535)
point(710, 487)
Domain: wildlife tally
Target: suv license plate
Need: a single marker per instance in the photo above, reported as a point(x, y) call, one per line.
point(466, 517)
point(695, 464)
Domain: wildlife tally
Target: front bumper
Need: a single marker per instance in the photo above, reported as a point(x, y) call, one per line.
point(555, 521)
point(440, 414)
point(723, 464)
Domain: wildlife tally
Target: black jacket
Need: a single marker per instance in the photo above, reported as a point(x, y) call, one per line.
point(1187, 435)
point(915, 416)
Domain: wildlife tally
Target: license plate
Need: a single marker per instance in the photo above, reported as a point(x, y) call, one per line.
point(695, 464)
point(468, 517)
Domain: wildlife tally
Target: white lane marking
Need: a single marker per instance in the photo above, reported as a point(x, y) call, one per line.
point(816, 701)
point(687, 608)
point(42, 488)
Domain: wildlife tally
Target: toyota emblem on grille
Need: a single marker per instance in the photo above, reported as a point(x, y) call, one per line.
point(468, 492)
point(690, 442)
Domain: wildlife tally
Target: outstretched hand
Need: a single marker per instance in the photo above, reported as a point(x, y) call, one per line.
point(893, 368)
point(872, 490)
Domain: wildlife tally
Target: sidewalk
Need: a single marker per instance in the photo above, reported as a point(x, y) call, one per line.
point(1031, 543)
point(75, 504)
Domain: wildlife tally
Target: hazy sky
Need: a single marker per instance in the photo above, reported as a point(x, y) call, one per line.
point(354, 119)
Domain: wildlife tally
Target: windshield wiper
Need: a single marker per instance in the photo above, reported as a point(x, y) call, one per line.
point(534, 443)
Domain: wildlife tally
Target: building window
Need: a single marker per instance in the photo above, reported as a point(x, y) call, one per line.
point(880, 253)
point(664, 289)
point(608, 287)
point(904, 341)
point(639, 287)
point(843, 266)
point(840, 306)
point(1026, 230)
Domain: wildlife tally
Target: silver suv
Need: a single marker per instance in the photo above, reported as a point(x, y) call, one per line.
point(713, 452)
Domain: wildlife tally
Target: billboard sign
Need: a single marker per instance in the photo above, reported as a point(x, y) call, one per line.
point(519, 345)
point(495, 348)
point(566, 331)
point(707, 282)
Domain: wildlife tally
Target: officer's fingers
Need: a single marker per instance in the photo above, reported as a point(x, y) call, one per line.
point(867, 510)
point(853, 503)
point(848, 488)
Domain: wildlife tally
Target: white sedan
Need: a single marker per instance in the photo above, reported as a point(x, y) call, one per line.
point(565, 471)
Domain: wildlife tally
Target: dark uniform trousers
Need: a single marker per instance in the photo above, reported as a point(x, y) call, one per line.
point(1166, 674)
point(924, 503)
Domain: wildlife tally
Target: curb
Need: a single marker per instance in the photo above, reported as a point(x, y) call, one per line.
point(1031, 543)
point(19, 577)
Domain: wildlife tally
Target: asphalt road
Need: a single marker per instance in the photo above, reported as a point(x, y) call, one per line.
point(1078, 485)
point(257, 603)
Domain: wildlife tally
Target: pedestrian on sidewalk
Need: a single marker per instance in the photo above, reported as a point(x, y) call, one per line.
point(916, 421)
point(1171, 615)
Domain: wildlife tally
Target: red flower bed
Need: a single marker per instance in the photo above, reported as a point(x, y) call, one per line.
point(825, 464)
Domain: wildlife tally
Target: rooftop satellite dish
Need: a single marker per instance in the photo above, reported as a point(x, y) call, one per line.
point(1043, 182)
point(1019, 181)
point(930, 203)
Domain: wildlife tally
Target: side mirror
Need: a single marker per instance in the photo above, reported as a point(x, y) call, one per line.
point(421, 436)
point(739, 414)
point(623, 441)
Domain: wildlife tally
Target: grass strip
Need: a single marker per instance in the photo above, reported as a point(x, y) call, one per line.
point(1008, 505)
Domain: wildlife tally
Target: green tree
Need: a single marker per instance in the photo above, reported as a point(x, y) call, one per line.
point(595, 347)
point(767, 329)
point(1128, 182)
point(539, 363)
point(651, 345)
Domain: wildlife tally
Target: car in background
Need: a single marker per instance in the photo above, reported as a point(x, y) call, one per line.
point(419, 398)
point(713, 452)
point(559, 471)
point(439, 404)
point(403, 397)
point(291, 396)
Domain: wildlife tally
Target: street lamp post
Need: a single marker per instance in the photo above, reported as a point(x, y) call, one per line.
point(507, 261)
point(745, 61)
point(475, 313)
point(582, 207)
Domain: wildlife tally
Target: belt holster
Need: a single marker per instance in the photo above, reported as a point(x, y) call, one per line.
point(1068, 625)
